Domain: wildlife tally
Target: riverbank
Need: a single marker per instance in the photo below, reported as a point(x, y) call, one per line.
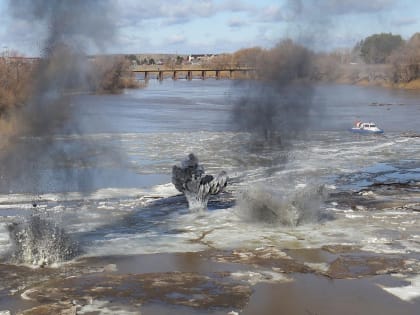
point(369, 75)
point(412, 85)
point(350, 74)
point(328, 280)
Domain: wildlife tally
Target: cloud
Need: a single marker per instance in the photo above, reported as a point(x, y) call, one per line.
point(235, 6)
point(236, 22)
point(132, 11)
point(271, 13)
point(131, 43)
point(176, 39)
point(153, 21)
point(405, 21)
point(170, 12)
point(304, 10)
point(22, 35)
point(187, 10)
point(354, 6)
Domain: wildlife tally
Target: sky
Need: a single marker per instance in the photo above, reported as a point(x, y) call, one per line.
point(215, 26)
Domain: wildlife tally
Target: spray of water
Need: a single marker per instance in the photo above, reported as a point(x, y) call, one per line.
point(29, 152)
point(189, 179)
point(277, 110)
point(39, 240)
point(264, 204)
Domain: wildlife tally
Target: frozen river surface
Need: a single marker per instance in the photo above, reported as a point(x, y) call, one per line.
point(328, 187)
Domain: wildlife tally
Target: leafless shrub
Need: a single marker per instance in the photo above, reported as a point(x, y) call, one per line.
point(15, 83)
point(406, 61)
point(112, 75)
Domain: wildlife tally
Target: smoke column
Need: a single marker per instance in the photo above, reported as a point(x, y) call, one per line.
point(276, 110)
point(69, 29)
point(29, 150)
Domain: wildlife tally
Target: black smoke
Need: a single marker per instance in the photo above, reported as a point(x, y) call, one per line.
point(277, 110)
point(70, 29)
point(31, 156)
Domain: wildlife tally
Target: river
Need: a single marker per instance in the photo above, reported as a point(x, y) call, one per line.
point(357, 192)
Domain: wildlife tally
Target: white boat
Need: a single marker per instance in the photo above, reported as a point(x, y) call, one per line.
point(366, 127)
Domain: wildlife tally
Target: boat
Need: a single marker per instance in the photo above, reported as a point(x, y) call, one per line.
point(366, 127)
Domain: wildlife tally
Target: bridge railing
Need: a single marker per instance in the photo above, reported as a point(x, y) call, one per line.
point(157, 68)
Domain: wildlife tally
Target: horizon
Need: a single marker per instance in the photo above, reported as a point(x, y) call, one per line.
point(217, 27)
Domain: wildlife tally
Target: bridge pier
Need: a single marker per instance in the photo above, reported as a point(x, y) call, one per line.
point(188, 72)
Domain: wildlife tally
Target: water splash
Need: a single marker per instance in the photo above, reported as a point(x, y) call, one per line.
point(189, 179)
point(40, 241)
point(263, 204)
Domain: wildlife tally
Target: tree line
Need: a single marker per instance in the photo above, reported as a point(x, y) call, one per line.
point(385, 57)
point(106, 74)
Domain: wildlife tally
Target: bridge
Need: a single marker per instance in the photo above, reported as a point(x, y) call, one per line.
point(188, 72)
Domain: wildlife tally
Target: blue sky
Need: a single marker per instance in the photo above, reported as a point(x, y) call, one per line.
point(213, 26)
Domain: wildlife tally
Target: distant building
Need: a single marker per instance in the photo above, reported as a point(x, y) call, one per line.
point(30, 60)
point(200, 57)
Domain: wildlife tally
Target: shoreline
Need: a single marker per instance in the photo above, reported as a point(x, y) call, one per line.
point(409, 86)
point(241, 281)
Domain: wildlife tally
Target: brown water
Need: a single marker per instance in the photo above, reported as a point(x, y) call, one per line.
point(305, 293)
